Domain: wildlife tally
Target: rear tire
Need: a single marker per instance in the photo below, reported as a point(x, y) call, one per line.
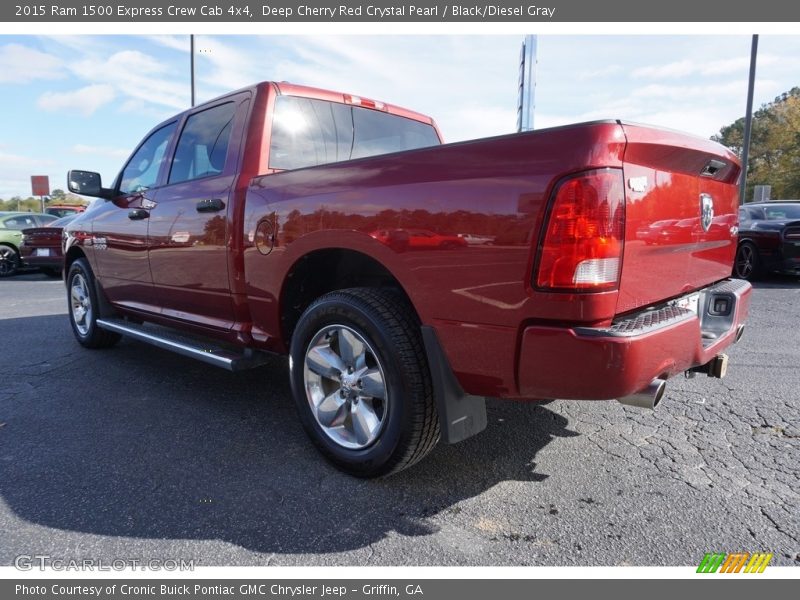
point(9, 260)
point(84, 308)
point(747, 264)
point(361, 381)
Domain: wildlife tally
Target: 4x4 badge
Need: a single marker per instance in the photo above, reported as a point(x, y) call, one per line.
point(706, 211)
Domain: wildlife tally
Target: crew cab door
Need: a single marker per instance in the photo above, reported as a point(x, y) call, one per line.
point(190, 226)
point(119, 227)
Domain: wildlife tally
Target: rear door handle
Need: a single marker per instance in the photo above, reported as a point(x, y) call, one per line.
point(138, 214)
point(210, 205)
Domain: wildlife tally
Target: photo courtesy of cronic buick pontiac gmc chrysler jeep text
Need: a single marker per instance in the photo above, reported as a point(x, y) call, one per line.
point(337, 230)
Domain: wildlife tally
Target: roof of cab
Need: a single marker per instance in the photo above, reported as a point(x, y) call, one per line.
point(285, 88)
point(291, 89)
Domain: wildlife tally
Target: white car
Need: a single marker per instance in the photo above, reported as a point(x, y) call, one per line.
point(476, 240)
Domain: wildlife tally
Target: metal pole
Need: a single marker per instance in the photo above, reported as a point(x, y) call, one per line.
point(748, 119)
point(527, 83)
point(191, 62)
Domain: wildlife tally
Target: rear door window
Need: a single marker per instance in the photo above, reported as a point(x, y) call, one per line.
point(203, 146)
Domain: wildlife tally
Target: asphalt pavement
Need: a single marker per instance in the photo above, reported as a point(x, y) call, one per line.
point(137, 453)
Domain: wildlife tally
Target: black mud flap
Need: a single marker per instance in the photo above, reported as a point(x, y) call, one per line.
point(461, 415)
point(104, 308)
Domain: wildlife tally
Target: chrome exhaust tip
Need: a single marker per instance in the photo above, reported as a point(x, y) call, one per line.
point(649, 397)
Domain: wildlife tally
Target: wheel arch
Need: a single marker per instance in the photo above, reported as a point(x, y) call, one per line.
point(10, 245)
point(71, 256)
point(325, 270)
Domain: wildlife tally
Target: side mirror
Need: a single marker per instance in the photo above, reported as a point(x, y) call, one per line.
point(87, 183)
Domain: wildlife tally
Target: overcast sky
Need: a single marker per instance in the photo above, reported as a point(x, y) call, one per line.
point(85, 101)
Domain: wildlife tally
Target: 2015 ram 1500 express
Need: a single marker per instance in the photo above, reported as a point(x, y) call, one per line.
point(408, 280)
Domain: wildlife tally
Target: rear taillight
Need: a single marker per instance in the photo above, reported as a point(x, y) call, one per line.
point(584, 234)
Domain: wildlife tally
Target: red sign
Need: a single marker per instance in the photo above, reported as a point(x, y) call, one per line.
point(40, 185)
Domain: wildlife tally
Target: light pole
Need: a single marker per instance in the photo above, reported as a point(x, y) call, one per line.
point(748, 119)
point(191, 63)
point(527, 83)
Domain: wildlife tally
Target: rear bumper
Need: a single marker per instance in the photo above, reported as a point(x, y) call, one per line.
point(602, 364)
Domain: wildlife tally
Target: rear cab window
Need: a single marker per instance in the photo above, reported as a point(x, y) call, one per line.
point(307, 132)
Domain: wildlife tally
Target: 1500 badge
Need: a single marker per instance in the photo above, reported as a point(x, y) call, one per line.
point(99, 243)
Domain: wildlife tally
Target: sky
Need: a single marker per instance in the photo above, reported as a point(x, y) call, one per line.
point(85, 101)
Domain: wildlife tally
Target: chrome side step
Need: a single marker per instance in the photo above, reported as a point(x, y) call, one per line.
point(194, 348)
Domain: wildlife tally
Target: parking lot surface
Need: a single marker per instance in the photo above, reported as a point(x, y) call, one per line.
point(136, 453)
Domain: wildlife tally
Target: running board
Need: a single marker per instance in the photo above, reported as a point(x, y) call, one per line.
point(187, 346)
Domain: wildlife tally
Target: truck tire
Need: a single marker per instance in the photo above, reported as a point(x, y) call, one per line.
point(361, 381)
point(84, 308)
point(747, 264)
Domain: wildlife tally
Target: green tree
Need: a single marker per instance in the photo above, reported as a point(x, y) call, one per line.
point(774, 146)
point(29, 204)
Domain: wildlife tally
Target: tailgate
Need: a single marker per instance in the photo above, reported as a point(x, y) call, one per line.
point(681, 215)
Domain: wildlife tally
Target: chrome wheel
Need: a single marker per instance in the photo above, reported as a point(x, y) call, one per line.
point(345, 387)
point(81, 304)
point(745, 261)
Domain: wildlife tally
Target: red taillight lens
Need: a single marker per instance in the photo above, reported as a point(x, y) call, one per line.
point(584, 237)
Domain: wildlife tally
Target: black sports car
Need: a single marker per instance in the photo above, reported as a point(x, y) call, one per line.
point(769, 239)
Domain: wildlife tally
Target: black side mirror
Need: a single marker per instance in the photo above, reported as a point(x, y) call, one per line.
point(87, 183)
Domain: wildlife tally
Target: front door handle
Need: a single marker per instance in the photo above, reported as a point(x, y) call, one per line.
point(210, 205)
point(137, 214)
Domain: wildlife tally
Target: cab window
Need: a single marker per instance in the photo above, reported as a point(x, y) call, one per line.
point(141, 172)
point(308, 132)
point(203, 145)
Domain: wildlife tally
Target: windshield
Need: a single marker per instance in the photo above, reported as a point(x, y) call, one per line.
point(783, 211)
point(307, 132)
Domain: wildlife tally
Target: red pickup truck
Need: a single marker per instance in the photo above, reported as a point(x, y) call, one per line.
point(247, 225)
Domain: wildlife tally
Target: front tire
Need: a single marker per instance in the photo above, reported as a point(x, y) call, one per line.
point(361, 382)
point(9, 260)
point(84, 308)
point(748, 263)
